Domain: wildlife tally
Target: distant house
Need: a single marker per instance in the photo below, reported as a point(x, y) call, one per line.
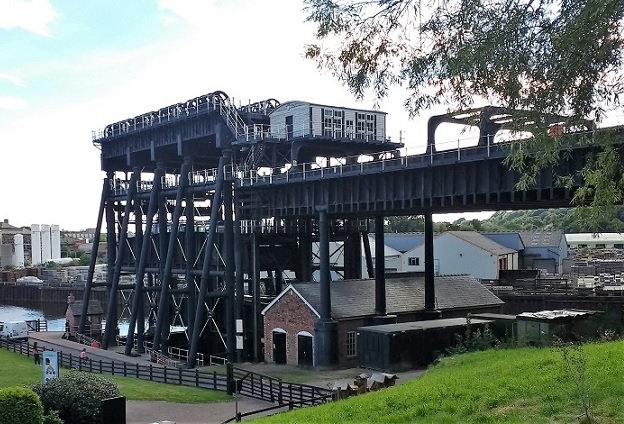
point(94, 316)
point(289, 319)
point(595, 241)
point(545, 250)
point(463, 252)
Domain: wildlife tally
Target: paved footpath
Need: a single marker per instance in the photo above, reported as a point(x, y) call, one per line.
point(147, 412)
point(144, 412)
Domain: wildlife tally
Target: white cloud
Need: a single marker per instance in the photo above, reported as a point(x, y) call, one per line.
point(13, 79)
point(33, 16)
point(12, 103)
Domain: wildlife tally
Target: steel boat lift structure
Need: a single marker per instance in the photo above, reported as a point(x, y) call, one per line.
point(181, 222)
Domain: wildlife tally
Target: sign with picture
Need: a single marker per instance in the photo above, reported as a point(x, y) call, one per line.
point(50, 365)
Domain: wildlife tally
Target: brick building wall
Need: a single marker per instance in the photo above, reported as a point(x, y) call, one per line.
point(291, 314)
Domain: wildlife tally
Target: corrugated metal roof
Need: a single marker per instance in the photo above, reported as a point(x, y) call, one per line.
point(354, 298)
point(541, 238)
point(482, 242)
point(560, 313)
point(423, 325)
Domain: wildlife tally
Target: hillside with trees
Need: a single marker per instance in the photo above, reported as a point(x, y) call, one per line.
point(570, 220)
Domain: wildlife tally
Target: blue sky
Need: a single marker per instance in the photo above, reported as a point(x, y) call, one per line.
point(68, 68)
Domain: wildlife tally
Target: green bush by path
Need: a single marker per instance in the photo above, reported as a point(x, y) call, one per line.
point(76, 396)
point(527, 385)
point(19, 405)
point(20, 370)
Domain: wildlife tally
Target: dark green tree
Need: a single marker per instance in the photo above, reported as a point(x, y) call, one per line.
point(543, 60)
point(404, 224)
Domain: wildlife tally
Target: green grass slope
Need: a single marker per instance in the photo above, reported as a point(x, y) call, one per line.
point(527, 385)
point(19, 370)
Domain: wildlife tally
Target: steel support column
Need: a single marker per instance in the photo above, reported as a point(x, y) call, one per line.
point(380, 267)
point(111, 313)
point(210, 239)
point(255, 284)
point(228, 211)
point(191, 261)
point(162, 330)
point(106, 187)
point(325, 328)
point(239, 276)
point(137, 304)
point(430, 306)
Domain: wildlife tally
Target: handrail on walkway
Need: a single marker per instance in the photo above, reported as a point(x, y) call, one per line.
point(235, 381)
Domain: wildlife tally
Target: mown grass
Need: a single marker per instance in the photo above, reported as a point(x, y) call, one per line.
point(527, 385)
point(19, 370)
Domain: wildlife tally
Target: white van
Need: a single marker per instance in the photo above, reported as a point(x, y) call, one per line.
point(14, 330)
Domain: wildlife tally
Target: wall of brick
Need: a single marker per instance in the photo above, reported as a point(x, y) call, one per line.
point(291, 314)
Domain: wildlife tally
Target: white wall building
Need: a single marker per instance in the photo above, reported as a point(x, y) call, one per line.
point(595, 241)
point(463, 252)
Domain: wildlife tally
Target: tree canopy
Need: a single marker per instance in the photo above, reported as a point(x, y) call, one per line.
point(537, 58)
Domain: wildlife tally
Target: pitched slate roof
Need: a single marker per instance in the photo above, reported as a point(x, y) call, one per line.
point(95, 308)
point(541, 238)
point(404, 242)
point(355, 298)
point(482, 242)
point(508, 239)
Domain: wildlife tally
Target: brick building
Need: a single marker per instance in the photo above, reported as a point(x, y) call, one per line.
point(289, 319)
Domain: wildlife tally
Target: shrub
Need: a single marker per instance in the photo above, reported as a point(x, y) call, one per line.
point(52, 418)
point(76, 396)
point(19, 405)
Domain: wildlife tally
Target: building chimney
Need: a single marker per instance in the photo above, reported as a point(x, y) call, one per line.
point(71, 298)
point(6, 221)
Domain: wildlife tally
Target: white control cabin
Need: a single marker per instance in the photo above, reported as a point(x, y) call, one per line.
point(298, 119)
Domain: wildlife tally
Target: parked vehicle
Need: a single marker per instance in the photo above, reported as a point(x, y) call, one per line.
point(13, 330)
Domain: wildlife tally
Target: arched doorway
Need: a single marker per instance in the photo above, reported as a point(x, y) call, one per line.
point(305, 357)
point(279, 346)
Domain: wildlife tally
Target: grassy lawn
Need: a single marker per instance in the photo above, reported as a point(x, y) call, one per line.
point(20, 370)
point(527, 385)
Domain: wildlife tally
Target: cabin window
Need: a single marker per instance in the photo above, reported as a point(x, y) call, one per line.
point(350, 129)
point(370, 127)
point(618, 246)
point(360, 126)
point(600, 246)
point(338, 123)
point(413, 261)
point(351, 343)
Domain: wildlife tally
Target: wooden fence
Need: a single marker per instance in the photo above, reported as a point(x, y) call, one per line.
point(235, 380)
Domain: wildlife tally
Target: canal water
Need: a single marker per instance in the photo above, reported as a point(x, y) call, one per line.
point(53, 313)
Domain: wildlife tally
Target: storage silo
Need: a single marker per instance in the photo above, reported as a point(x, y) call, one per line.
point(18, 242)
point(46, 252)
point(55, 240)
point(35, 241)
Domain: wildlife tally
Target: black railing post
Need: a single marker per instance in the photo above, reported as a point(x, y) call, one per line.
point(230, 378)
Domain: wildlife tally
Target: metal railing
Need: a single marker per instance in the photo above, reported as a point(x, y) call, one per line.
point(466, 149)
point(233, 119)
point(150, 372)
point(251, 384)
